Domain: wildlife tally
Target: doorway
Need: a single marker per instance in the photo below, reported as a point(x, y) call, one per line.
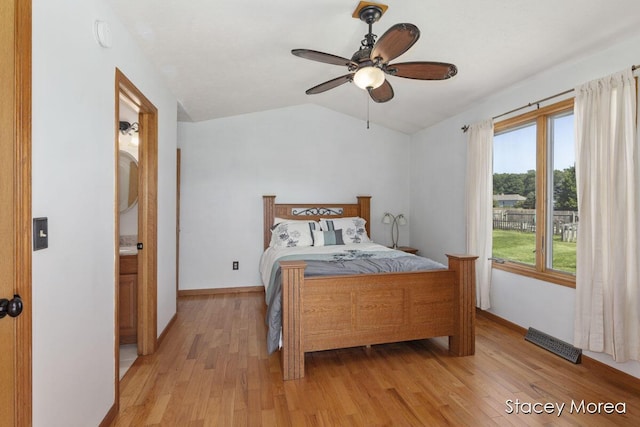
point(147, 184)
point(129, 141)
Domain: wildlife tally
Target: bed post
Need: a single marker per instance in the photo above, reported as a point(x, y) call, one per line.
point(269, 214)
point(463, 342)
point(364, 207)
point(292, 357)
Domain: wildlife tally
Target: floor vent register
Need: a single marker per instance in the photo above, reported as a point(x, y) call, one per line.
point(554, 345)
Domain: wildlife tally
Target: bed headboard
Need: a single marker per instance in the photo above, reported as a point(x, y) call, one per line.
point(313, 211)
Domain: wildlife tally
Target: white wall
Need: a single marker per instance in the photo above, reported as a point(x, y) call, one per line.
point(438, 162)
point(74, 186)
point(300, 154)
point(437, 194)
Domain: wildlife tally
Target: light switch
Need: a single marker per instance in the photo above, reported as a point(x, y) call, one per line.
point(40, 233)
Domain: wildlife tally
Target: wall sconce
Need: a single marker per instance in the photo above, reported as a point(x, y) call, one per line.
point(132, 129)
point(395, 221)
point(127, 128)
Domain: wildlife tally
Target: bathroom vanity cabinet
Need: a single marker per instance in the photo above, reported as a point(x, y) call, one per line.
point(128, 299)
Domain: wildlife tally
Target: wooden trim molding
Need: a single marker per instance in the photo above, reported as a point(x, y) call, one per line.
point(110, 417)
point(601, 369)
point(504, 322)
point(16, 120)
point(558, 278)
point(219, 291)
point(178, 166)
point(148, 234)
point(164, 332)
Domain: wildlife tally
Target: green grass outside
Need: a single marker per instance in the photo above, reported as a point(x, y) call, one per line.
point(519, 246)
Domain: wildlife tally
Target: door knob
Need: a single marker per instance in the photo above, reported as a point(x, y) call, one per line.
point(11, 307)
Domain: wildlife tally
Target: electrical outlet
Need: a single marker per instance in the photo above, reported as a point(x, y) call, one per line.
point(236, 265)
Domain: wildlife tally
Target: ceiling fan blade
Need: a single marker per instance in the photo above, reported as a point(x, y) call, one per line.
point(383, 93)
point(330, 84)
point(422, 70)
point(396, 41)
point(327, 58)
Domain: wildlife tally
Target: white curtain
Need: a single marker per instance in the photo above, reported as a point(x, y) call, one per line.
point(607, 278)
point(479, 205)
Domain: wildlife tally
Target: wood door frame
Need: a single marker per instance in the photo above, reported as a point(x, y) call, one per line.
point(16, 136)
point(147, 220)
point(178, 164)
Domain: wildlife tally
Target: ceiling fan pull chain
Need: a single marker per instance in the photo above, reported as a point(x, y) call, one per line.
point(368, 104)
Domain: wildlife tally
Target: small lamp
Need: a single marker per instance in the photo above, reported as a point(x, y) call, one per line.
point(395, 221)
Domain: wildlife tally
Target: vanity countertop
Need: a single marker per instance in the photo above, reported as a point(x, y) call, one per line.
point(128, 250)
point(128, 245)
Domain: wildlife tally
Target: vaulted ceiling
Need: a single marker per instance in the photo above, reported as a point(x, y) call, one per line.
point(224, 58)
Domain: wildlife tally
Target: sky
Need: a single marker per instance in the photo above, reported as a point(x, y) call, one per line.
point(515, 151)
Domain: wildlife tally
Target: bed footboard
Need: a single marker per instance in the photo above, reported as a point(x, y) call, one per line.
point(322, 313)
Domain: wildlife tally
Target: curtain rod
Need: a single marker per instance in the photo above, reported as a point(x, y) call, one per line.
point(465, 128)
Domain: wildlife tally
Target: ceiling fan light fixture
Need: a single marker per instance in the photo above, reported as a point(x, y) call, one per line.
point(370, 64)
point(369, 78)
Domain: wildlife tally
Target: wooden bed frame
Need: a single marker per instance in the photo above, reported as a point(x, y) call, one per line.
point(329, 312)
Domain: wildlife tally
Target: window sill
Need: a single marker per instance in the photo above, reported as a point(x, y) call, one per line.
point(550, 276)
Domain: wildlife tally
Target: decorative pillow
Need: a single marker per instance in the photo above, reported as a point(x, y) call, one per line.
point(353, 230)
point(289, 233)
point(327, 238)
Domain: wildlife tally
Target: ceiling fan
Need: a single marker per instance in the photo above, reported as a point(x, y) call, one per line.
point(368, 66)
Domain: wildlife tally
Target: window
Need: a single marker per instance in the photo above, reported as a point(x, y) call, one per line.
point(534, 194)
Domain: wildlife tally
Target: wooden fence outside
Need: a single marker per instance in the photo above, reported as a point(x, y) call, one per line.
point(565, 223)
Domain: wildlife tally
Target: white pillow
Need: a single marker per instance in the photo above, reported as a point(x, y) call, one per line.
point(353, 228)
point(290, 233)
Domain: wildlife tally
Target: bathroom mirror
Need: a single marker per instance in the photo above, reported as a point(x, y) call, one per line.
point(128, 175)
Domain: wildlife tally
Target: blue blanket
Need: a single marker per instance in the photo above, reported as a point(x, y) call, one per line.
point(348, 262)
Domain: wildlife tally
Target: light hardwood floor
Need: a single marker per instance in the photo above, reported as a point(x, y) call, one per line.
point(212, 370)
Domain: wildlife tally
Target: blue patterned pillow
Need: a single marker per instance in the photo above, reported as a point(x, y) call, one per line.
point(353, 228)
point(327, 238)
